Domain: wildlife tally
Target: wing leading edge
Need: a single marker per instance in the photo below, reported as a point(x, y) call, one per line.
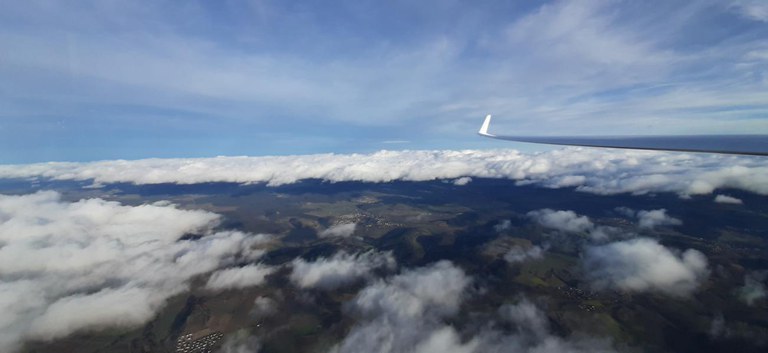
point(752, 145)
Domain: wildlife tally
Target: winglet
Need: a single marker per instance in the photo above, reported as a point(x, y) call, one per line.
point(484, 129)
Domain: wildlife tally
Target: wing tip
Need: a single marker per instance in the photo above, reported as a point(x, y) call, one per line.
point(484, 128)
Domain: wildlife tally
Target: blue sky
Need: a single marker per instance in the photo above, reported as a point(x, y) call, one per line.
point(83, 80)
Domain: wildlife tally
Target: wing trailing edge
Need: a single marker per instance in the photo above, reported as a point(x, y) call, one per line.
point(752, 145)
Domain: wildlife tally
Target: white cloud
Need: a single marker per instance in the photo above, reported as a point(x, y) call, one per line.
point(656, 218)
point(753, 9)
point(446, 340)
point(399, 313)
point(527, 316)
point(531, 333)
point(753, 289)
point(67, 267)
point(626, 212)
point(567, 221)
point(520, 254)
point(642, 264)
point(717, 326)
point(342, 230)
point(585, 65)
point(462, 181)
point(728, 199)
point(339, 270)
point(503, 225)
point(604, 171)
point(264, 306)
point(240, 342)
point(239, 277)
point(650, 219)
point(408, 313)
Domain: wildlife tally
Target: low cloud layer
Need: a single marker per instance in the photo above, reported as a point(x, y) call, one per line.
point(339, 270)
point(644, 265)
point(67, 267)
point(589, 170)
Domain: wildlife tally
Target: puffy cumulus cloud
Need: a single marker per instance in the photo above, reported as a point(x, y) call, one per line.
point(445, 339)
point(339, 270)
point(462, 181)
point(342, 230)
point(642, 264)
point(601, 171)
point(436, 289)
point(92, 264)
point(504, 225)
point(403, 312)
point(263, 307)
point(650, 218)
point(728, 199)
point(656, 218)
point(525, 314)
point(753, 289)
point(520, 254)
point(409, 313)
point(533, 334)
point(239, 277)
point(567, 221)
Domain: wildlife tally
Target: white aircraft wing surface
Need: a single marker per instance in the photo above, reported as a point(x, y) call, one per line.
point(753, 145)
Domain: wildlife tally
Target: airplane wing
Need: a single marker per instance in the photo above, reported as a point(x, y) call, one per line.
point(753, 145)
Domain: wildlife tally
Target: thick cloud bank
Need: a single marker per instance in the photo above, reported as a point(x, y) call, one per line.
point(339, 270)
point(642, 264)
point(590, 170)
point(91, 264)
